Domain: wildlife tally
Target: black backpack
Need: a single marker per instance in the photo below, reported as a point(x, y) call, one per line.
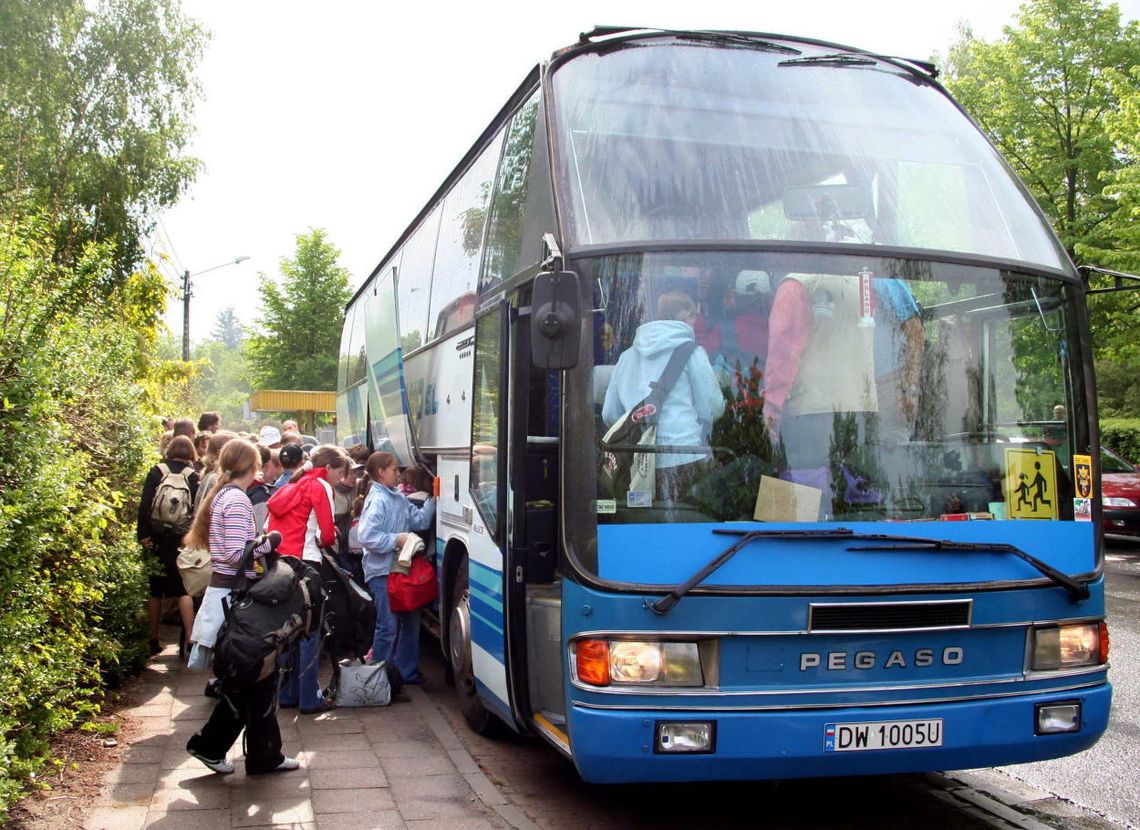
point(265, 618)
point(349, 613)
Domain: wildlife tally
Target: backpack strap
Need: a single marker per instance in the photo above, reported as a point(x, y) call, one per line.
point(164, 469)
point(672, 373)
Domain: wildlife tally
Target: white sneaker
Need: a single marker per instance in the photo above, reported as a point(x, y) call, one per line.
point(222, 767)
point(287, 764)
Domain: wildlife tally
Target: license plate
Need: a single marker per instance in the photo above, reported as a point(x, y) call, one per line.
point(883, 734)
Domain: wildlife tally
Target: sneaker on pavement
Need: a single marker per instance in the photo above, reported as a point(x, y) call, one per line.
point(287, 764)
point(222, 767)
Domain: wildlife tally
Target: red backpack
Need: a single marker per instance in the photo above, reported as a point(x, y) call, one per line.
point(413, 590)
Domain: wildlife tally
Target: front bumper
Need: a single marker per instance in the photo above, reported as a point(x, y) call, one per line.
point(616, 746)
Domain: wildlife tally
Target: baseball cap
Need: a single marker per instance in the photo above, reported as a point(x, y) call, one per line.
point(269, 436)
point(291, 455)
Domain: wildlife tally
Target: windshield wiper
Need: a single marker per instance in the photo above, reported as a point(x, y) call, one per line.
point(736, 39)
point(1077, 590)
point(835, 59)
point(666, 603)
point(887, 542)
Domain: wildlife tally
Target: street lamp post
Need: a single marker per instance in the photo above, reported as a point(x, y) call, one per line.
point(186, 301)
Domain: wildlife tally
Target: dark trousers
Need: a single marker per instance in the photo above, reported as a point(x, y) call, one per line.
point(253, 709)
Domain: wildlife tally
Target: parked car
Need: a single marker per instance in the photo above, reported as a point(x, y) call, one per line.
point(1120, 496)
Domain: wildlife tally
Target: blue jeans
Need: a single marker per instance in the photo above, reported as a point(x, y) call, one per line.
point(300, 666)
point(407, 654)
point(384, 636)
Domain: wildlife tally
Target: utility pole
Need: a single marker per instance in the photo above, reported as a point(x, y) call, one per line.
point(186, 275)
point(186, 315)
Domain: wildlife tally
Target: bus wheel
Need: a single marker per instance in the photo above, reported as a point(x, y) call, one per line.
point(459, 648)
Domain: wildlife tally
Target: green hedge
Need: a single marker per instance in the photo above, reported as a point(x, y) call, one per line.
point(74, 444)
point(1122, 435)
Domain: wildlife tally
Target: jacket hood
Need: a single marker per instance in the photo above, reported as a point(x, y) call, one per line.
point(660, 336)
point(289, 498)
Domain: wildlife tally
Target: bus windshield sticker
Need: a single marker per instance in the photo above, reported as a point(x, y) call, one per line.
point(1031, 484)
point(1082, 472)
point(607, 507)
point(639, 498)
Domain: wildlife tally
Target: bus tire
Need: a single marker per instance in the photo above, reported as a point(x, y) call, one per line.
point(478, 717)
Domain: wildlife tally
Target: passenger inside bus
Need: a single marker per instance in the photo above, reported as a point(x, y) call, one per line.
point(691, 407)
point(820, 367)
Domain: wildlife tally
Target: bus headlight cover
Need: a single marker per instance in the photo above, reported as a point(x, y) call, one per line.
point(1069, 646)
point(638, 663)
point(687, 737)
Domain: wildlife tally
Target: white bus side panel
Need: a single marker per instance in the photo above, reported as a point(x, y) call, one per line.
point(439, 392)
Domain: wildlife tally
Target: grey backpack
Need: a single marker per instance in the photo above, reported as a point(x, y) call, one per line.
point(172, 507)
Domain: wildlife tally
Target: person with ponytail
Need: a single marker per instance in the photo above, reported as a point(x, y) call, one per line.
point(302, 513)
point(224, 525)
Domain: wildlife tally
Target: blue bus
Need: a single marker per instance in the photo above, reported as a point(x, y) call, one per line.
point(759, 397)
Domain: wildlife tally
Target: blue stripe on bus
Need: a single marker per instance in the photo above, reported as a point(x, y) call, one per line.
point(489, 581)
point(475, 615)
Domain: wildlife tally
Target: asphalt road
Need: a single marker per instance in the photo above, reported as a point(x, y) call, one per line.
point(1097, 789)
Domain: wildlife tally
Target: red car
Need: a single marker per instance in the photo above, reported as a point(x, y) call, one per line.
point(1120, 496)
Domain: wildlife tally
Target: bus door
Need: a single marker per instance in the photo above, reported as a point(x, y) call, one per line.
point(513, 577)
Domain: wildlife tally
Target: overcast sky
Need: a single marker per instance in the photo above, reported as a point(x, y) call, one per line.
point(347, 116)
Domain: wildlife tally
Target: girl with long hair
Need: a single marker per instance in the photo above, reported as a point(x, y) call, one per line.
point(302, 512)
point(225, 526)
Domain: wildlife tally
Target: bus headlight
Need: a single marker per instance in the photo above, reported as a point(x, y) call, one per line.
point(1068, 646)
point(637, 663)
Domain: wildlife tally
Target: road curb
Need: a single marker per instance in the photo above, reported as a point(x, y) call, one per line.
point(483, 787)
point(1018, 803)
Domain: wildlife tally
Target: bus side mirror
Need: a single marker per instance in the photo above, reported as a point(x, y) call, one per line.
point(555, 320)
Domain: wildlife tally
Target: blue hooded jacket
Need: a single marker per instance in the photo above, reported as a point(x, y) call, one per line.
point(692, 406)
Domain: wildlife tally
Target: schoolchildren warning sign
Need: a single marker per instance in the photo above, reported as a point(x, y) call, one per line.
point(1030, 484)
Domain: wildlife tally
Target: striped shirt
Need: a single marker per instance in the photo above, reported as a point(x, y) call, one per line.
point(231, 526)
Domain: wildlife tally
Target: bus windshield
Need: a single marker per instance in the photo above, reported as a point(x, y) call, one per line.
point(822, 388)
point(671, 140)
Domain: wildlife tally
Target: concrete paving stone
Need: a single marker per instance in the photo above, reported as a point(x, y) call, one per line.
point(462, 761)
point(179, 758)
point(407, 749)
point(251, 788)
point(116, 818)
point(352, 801)
point(196, 772)
point(436, 796)
point(188, 820)
point(348, 779)
point(125, 795)
point(274, 812)
point(397, 732)
point(333, 759)
point(343, 742)
point(405, 766)
point(384, 820)
point(458, 824)
point(196, 711)
point(329, 723)
point(142, 753)
point(132, 774)
point(482, 786)
point(187, 796)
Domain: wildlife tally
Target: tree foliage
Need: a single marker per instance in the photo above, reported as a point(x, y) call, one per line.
point(1043, 93)
point(301, 320)
point(95, 100)
point(95, 106)
point(1059, 94)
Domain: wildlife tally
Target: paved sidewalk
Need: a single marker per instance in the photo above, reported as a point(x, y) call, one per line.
point(399, 766)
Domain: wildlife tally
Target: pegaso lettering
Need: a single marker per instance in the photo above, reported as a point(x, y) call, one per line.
point(919, 658)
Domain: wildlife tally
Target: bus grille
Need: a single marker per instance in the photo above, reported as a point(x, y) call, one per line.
point(889, 616)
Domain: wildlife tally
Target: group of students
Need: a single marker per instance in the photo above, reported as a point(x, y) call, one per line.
point(316, 500)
